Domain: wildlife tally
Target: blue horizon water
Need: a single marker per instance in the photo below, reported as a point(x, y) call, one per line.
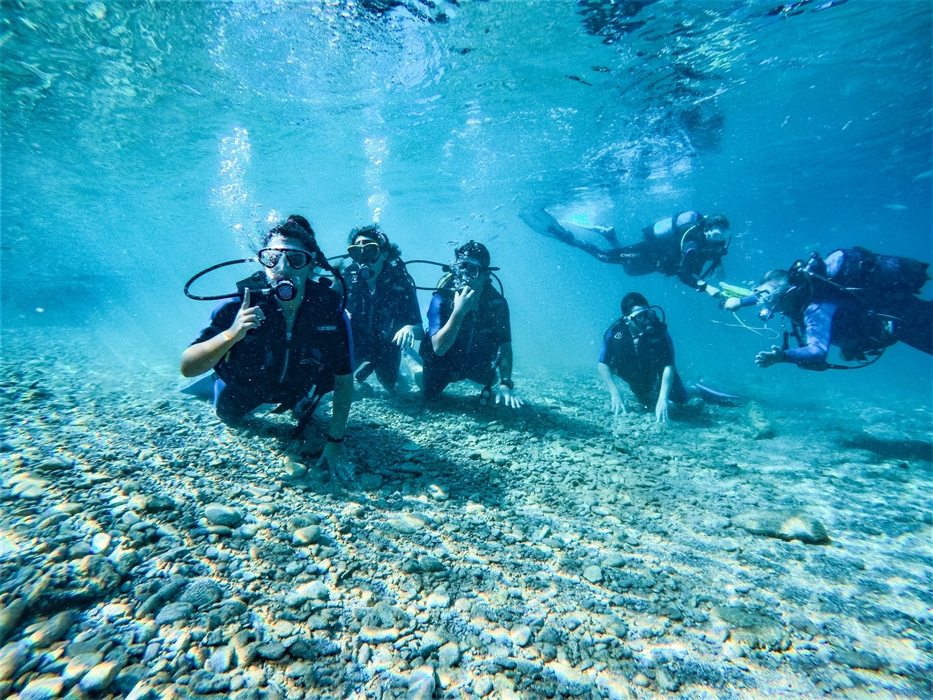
point(141, 144)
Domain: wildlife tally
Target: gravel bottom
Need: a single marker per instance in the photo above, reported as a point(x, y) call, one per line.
point(148, 551)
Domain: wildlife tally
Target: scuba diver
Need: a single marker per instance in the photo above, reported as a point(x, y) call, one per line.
point(382, 305)
point(688, 245)
point(469, 331)
point(284, 339)
point(855, 299)
point(638, 349)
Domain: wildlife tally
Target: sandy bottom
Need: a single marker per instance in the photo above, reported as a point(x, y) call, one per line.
point(146, 550)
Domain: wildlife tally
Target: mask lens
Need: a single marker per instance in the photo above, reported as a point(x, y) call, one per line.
point(269, 257)
point(641, 317)
point(364, 253)
point(297, 258)
point(469, 270)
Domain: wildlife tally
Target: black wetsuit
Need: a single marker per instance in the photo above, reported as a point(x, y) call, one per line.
point(640, 362)
point(376, 315)
point(475, 353)
point(675, 246)
point(270, 366)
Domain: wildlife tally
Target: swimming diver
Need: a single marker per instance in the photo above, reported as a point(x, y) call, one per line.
point(860, 301)
point(469, 331)
point(688, 245)
point(289, 347)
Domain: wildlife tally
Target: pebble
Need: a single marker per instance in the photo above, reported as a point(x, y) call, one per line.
point(438, 600)
point(202, 592)
point(9, 618)
point(79, 665)
point(378, 636)
point(306, 535)
point(174, 612)
point(42, 688)
point(99, 677)
point(593, 574)
point(421, 683)
point(271, 650)
point(100, 543)
point(753, 629)
point(407, 524)
point(12, 657)
point(482, 685)
point(220, 514)
point(53, 630)
point(448, 655)
point(784, 525)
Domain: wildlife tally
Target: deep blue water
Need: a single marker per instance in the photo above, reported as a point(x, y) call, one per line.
point(144, 141)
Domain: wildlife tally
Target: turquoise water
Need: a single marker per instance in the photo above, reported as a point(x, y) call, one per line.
point(144, 141)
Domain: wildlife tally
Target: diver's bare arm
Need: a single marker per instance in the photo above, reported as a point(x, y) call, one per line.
point(201, 358)
point(666, 379)
point(606, 374)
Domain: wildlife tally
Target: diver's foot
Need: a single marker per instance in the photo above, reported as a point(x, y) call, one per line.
point(363, 390)
point(485, 395)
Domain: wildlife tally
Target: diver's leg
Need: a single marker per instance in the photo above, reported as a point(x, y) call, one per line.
point(434, 379)
point(915, 324)
point(232, 404)
point(635, 259)
point(387, 364)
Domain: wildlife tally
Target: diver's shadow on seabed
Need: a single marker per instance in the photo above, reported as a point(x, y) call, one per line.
point(890, 449)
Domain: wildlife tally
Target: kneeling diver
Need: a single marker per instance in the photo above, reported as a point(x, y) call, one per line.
point(638, 349)
point(289, 347)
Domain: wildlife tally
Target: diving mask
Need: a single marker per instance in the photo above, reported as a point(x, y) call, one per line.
point(465, 272)
point(297, 258)
point(364, 253)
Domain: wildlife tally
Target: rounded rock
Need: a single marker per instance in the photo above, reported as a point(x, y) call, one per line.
point(220, 514)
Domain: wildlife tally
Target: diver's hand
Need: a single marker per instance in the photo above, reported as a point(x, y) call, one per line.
point(660, 411)
point(766, 359)
point(247, 318)
point(618, 405)
point(334, 457)
point(405, 338)
point(464, 301)
point(508, 397)
point(732, 304)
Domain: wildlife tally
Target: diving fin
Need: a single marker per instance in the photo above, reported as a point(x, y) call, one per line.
point(202, 388)
point(713, 396)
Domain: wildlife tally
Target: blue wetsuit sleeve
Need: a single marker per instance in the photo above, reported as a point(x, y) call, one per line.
point(434, 315)
point(604, 351)
point(750, 300)
point(819, 322)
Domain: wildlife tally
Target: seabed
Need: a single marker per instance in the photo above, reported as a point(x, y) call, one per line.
point(745, 551)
